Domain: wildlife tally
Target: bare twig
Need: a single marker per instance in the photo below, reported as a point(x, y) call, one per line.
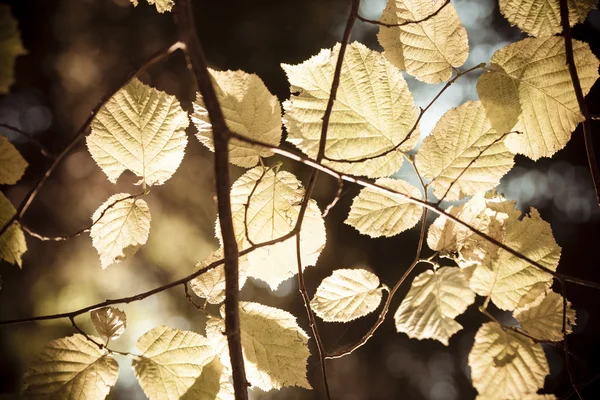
point(81, 231)
point(415, 125)
point(247, 204)
point(198, 66)
point(436, 12)
point(292, 155)
point(587, 126)
point(24, 206)
point(43, 150)
point(338, 195)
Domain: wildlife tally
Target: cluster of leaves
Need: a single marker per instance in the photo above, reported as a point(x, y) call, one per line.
point(527, 106)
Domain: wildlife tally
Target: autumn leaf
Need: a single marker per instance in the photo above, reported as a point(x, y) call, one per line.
point(12, 242)
point(109, 322)
point(463, 155)
point(506, 365)
point(544, 319)
point(428, 50)
point(161, 5)
point(274, 346)
point(71, 368)
point(542, 18)
point(170, 361)
point(529, 87)
point(140, 129)
point(272, 213)
point(371, 115)
point(12, 163)
point(123, 225)
point(378, 214)
point(346, 295)
point(434, 300)
point(212, 384)
point(249, 109)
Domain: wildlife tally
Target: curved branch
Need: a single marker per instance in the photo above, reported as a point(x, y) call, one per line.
point(436, 12)
point(45, 152)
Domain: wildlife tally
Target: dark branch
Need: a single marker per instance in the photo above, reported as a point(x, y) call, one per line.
point(587, 126)
point(45, 152)
point(197, 64)
point(436, 12)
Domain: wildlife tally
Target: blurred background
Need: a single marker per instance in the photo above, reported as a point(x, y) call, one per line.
point(80, 49)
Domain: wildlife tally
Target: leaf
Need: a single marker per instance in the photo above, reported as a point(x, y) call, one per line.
point(487, 213)
point(463, 155)
point(211, 285)
point(123, 225)
point(170, 362)
point(506, 279)
point(161, 5)
point(10, 47)
point(346, 295)
point(212, 384)
point(544, 320)
point(533, 73)
point(272, 213)
point(275, 348)
point(12, 242)
point(378, 214)
point(140, 129)
point(373, 113)
point(433, 301)
point(249, 110)
point(71, 368)
point(428, 50)
point(506, 365)
point(110, 322)
point(12, 163)
point(542, 17)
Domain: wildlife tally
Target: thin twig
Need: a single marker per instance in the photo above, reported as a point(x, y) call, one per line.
point(247, 204)
point(81, 231)
point(436, 12)
point(587, 126)
point(101, 346)
point(311, 317)
point(198, 66)
point(24, 206)
point(296, 156)
point(338, 195)
point(43, 150)
point(568, 366)
point(415, 125)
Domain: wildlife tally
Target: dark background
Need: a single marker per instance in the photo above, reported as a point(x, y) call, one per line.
point(80, 49)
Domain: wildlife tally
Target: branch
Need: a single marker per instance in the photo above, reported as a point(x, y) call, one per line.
point(436, 12)
point(292, 155)
point(45, 152)
point(24, 206)
point(197, 64)
point(587, 127)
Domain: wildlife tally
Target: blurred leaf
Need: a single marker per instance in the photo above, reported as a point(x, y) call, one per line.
point(10, 47)
point(12, 163)
point(12, 242)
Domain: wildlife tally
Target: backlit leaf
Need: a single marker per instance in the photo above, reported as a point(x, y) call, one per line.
point(12, 163)
point(140, 129)
point(428, 50)
point(211, 285)
point(12, 242)
point(123, 226)
point(373, 113)
point(346, 295)
point(10, 47)
point(249, 109)
point(544, 107)
point(506, 365)
point(212, 384)
point(161, 5)
point(464, 155)
point(71, 368)
point(272, 213)
point(433, 301)
point(378, 214)
point(507, 278)
point(544, 320)
point(170, 362)
point(274, 346)
point(542, 17)
point(109, 322)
